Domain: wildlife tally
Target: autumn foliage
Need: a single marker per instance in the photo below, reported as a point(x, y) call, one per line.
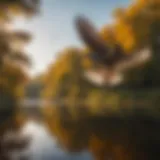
point(13, 74)
point(116, 124)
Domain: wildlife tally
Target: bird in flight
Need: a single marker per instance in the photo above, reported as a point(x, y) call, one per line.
point(112, 64)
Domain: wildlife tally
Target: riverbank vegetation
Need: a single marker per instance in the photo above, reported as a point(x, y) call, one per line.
point(117, 124)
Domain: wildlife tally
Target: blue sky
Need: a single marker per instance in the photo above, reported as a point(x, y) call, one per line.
point(54, 30)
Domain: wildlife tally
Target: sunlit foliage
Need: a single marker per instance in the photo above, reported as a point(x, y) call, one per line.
point(134, 24)
point(10, 8)
point(110, 124)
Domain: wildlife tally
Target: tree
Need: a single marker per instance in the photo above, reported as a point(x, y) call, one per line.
point(12, 71)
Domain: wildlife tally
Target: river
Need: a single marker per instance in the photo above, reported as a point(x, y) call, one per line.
point(43, 145)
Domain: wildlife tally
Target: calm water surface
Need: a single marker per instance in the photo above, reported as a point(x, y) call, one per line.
point(43, 145)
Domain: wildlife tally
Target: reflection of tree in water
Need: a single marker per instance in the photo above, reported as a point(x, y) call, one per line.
point(132, 137)
point(10, 140)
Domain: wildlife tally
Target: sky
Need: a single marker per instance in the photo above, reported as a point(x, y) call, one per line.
point(53, 30)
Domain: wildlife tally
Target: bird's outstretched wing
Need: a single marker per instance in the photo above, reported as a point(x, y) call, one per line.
point(133, 61)
point(101, 52)
point(90, 36)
